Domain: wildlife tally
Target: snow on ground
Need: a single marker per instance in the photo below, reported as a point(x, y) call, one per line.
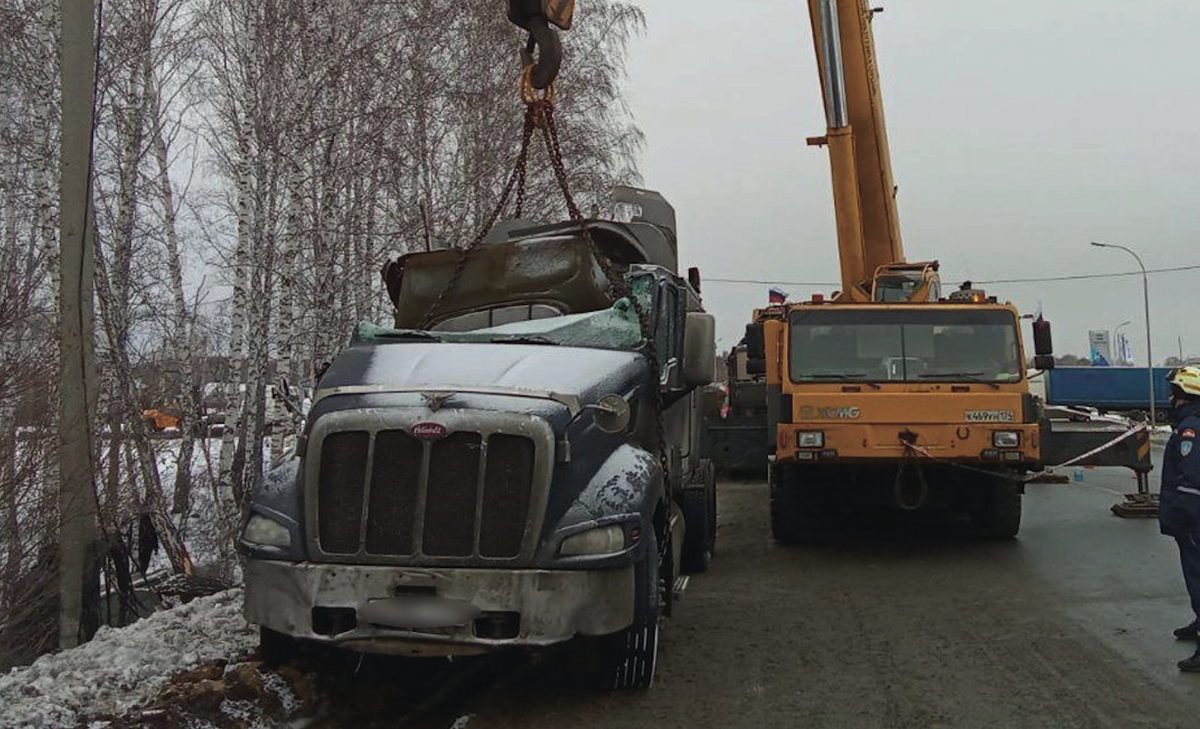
point(122, 668)
point(125, 667)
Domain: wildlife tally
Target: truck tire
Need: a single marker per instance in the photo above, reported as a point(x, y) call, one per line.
point(276, 648)
point(999, 515)
point(793, 519)
point(628, 657)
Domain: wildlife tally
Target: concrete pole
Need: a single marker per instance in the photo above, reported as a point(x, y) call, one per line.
point(77, 390)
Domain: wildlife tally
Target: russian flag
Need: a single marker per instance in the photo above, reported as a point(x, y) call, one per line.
point(776, 296)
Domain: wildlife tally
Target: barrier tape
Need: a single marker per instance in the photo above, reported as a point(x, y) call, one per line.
point(1135, 429)
point(1048, 469)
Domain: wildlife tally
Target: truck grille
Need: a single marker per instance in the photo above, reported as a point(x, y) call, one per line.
point(387, 494)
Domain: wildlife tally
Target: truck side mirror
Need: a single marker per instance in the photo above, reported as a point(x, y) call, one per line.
point(1042, 343)
point(756, 347)
point(756, 350)
point(694, 278)
point(699, 349)
point(1043, 347)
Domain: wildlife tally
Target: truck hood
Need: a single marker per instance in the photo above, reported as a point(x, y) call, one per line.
point(572, 372)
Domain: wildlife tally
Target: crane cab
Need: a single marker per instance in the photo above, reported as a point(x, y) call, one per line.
point(897, 282)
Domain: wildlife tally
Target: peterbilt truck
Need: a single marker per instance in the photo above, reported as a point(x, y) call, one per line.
point(514, 462)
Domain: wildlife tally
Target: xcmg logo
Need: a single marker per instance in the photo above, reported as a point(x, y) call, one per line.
point(808, 412)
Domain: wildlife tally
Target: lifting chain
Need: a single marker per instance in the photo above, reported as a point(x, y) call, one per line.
point(515, 179)
point(618, 284)
point(539, 116)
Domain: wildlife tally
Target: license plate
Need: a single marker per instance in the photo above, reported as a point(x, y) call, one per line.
point(419, 612)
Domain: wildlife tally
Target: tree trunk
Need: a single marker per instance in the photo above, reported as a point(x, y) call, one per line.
point(230, 496)
point(184, 339)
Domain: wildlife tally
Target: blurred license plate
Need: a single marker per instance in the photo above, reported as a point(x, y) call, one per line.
point(419, 611)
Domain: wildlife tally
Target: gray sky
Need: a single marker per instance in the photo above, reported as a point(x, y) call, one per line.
point(1020, 130)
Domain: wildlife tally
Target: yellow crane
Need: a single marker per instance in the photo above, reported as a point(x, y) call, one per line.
point(887, 393)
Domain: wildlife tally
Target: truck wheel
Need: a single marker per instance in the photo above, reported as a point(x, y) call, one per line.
point(277, 648)
point(793, 520)
point(999, 516)
point(628, 657)
point(696, 517)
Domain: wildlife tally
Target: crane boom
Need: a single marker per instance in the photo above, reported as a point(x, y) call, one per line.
point(864, 192)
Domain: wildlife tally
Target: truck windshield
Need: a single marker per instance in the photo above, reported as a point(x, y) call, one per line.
point(920, 345)
point(616, 327)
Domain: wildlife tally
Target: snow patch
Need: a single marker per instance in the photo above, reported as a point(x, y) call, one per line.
point(124, 667)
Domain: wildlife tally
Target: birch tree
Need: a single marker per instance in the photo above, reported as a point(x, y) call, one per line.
point(28, 318)
point(336, 124)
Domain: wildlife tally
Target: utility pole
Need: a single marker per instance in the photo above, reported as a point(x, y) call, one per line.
point(77, 391)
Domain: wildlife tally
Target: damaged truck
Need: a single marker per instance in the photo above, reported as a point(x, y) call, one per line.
point(516, 462)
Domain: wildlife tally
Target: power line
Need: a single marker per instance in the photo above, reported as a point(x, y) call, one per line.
point(1045, 279)
point(1082, 277)
point(768, 283)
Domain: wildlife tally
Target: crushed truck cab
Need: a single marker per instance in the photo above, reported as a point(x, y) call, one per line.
point(521, 469)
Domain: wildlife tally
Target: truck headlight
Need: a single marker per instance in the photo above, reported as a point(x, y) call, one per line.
point(1006, 439)
point(601, 540)
point(612, 413)
point(266, 531)
point(810, 439)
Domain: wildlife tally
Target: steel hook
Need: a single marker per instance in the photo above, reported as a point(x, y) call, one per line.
point(543, 39)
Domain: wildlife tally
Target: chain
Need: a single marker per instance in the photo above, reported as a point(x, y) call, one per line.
point(539, 115)
point(516, 178)
point(618, 285)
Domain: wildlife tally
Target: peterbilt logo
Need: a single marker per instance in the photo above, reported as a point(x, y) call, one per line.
point(808, 412)
point(430, 431)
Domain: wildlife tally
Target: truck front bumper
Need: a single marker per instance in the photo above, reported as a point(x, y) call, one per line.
point(435, 611)
point(962, 443)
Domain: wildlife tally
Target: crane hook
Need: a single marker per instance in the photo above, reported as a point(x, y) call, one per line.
point(536, 17)
point(544, 70)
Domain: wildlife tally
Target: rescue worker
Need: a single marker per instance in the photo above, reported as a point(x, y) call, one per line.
point(1179, 505)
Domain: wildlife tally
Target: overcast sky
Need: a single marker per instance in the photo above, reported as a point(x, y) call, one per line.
point(1020, 130)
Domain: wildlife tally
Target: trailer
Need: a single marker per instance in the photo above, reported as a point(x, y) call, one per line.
point(1109, 389)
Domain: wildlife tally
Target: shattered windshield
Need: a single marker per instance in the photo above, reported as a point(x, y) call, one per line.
point(616, 327)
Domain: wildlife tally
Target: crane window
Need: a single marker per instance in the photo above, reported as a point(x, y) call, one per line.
point(910, 346)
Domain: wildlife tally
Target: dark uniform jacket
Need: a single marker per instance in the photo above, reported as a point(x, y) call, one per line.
point(1179, 504)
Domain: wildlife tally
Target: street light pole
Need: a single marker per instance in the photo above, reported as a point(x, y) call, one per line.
point(1146, 301)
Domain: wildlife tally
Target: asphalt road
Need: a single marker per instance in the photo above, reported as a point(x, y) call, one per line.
point(896, 623)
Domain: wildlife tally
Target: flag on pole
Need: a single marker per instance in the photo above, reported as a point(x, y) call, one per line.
point(776, 296)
